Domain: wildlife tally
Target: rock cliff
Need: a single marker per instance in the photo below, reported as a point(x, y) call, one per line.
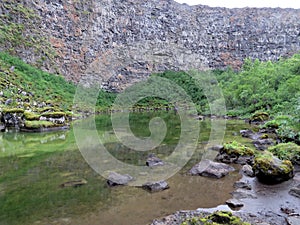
point(118, 42)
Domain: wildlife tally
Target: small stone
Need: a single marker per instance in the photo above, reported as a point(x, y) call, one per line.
point(8, 101)
point(234, 203)
point(153, 161)
point(244, 185)
point(156, 186)
point(118, 179)
point(248, 171)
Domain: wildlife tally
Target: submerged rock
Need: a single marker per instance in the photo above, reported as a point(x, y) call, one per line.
point(118, 179)
point(156, 186)
point(270, 169)
point(209, 168)
point(74, 183)
point(153, 161)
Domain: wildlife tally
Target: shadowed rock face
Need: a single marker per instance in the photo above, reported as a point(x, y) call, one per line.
point(117, 43)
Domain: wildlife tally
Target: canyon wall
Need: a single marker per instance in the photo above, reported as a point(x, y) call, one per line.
point(118, 42)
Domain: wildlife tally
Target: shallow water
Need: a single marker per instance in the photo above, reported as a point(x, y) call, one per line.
point(33, 161)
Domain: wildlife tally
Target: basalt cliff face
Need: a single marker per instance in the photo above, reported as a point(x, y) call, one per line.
point(118, 42)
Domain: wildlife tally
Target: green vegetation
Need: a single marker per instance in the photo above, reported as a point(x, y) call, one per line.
point(40, 87)
point(286, 151)
point(34, 124)
point(216, 218)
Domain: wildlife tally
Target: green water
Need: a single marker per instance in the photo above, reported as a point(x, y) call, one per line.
point(34, 165)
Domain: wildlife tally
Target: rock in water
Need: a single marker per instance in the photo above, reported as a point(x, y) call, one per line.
point(209, 168)
point(74, 183)
point(156, 186)
point(247, 170)
point(152, 161)
point(234, 203)
point(118, 179)
point(270, 169)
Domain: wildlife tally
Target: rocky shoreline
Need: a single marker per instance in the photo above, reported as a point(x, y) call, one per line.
point(268, 192)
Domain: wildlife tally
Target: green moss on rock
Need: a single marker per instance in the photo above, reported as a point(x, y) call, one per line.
point(216, 218)
point(270, 169)
point(35, 124)
point(13, 110)
point(259, 117)
point(235, 148)
point(54, 114)
point(31, 115)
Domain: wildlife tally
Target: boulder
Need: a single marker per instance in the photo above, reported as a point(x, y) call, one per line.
point(295, 191)
point(153, 161)
point(118, 179)
point(156, 186)
point(209, 168)
point(270, 169)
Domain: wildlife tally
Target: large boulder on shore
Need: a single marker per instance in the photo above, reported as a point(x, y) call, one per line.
point(270, 169)
point(209, 168)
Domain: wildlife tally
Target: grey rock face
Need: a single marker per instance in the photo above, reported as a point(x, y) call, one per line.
point(117, 43)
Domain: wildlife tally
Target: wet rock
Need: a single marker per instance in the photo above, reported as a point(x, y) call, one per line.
point(242, 193)
point(234, 203)
point(293, 220)
point(156, 186)
point(153, 161)
point(248, 134)
point(295, 191)
point(209, 168)
point(270, 169)
point(248, 171)
point(263, 144)
point(118, 179)
point(243, 185)
point(243, 160)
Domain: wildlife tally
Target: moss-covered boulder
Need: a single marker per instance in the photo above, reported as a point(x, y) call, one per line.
point(287, 151)
point(259, 117)
point(270, 169)
point(234, 152)
point(216, 218)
